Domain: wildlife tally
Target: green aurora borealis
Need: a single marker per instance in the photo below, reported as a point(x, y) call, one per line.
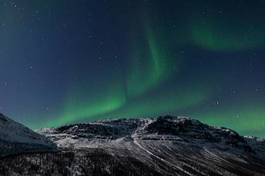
point(132, 59)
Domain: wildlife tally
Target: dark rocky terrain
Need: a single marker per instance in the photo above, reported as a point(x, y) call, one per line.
point(163, 146)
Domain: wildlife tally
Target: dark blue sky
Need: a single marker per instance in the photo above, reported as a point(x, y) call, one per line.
point(74, 61)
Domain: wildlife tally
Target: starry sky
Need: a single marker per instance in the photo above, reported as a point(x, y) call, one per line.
point(71, 61)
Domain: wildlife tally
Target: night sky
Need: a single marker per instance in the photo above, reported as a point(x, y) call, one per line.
point(67, 61)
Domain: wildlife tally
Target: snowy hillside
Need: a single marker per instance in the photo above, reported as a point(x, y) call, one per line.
point(16, 138)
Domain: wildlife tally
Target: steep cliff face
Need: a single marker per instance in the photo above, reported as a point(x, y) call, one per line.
point(16, 138)
point(161, 146)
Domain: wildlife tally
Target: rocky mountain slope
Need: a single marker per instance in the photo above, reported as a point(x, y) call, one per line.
point(16, 138)
point(164, 146)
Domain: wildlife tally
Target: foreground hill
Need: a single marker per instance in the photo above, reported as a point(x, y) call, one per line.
point(163, 146)
point(16, 138)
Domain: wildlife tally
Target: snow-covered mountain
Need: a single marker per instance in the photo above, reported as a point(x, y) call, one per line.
point(163, 146)
point(16, 138)
point(167, 145)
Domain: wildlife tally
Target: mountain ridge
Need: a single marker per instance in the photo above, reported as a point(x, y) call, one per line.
point(164, 125)
point(163, 146)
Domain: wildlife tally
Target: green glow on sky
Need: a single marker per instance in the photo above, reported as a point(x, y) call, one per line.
point(153, 62)
point(245, 119)
point(166, 103)
point(147, 70)
point(150, 64)
point(110, 99)
point(224, 34)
